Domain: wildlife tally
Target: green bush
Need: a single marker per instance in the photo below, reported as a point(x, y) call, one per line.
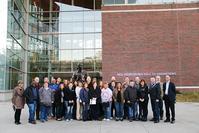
point(188, 97)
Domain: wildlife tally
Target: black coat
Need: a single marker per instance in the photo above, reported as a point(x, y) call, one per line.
point(143, 92)
point(155, 92)
point(69, 94)
point(58, 97)
point(95, 93)
point(130, 94)
point(171, 92)
point(28, 94)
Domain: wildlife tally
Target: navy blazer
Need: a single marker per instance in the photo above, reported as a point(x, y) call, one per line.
point(171, 92)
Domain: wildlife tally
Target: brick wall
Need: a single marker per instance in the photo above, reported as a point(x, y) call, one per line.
point(151, 42)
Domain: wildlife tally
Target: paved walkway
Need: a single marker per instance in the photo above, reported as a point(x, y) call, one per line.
point(187, 121)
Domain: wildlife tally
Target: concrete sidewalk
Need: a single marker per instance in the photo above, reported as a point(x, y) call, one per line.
point(187, 121)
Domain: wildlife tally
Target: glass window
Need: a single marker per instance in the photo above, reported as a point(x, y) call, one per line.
point(77, 41)
point(98, 26)
point(89, 27)
point(65, 55)
point(89, 60)
point(89, 41)
point(119, 1)
point(108, 2)
point(89, 15)
point(65, 41)
point(78, 27)
point(98, 40)
point(77, 55)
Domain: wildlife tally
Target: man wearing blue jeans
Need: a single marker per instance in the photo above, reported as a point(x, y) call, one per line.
point(32, 97)
point(130, 95)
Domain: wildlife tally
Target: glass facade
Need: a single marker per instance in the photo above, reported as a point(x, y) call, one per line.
point(61, 36)
point(15, 48)
point(146, 2)
point(49, 38)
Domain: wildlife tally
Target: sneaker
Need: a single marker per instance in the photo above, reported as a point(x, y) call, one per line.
point(107, 119)
point(104, 119)
point(59, 119)
point(42, 121)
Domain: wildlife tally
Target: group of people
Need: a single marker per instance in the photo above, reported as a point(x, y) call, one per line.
point(92, 100)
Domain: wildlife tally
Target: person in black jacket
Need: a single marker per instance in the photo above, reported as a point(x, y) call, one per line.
point(59, 102)
point(69, 100)
point(143, 100)
point(32, 97)
point(95, 100)
point(130, 96)
point(169, 97)
point(154, 90)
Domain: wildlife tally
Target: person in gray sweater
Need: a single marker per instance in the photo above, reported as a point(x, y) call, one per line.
point(46, 98)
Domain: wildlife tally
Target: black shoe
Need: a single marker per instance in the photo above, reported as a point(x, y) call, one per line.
point(130, 120)
point(121, 119)
point(173, 122)
point(167, 120)
point(144, 119)
point(152, 119)
point(156, 121)
point(17, 123)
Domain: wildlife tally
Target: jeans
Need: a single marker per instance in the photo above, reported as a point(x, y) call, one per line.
point(68, 111)
point(44, 111)
point(85, 111)
point(132, 110)
point(136, 109)
point(155, 109)
point(119, 110)
point(32, 110)
point(107, 111)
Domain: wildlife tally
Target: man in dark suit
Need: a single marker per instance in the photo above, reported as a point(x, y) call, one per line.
point(155, 95)
point(169, 97)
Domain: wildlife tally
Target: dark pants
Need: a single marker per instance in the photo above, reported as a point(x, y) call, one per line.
point(143, 109)
point(74, 110)
point(85, 112)
point(53, 110)
point(161, 108)
point(59, 111)
point(155, 109)
point(17, 115)
point(95, 111)
point(170, 105)
point(126, 108)
point(38, 111)
point(112, 109)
